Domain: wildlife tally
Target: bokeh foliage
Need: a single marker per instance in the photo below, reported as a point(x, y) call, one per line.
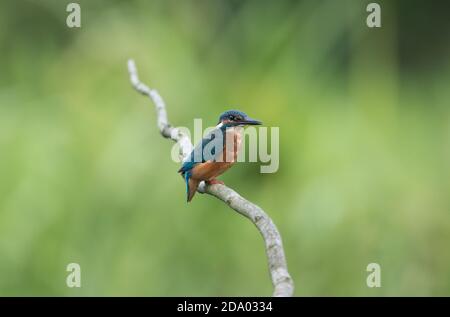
point(364, 123)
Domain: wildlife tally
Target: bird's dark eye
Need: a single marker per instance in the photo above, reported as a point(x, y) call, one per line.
point(231, 118)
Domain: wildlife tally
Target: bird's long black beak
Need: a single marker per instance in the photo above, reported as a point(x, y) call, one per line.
point(250, 121)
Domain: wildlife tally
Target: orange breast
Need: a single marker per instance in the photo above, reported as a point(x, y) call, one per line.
point(232, 145)
point(209, 170)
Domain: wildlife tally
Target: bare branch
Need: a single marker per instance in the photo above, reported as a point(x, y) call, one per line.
point(165, 128)
point(281, 280)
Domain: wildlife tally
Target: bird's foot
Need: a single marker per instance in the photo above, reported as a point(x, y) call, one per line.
point(214, 181)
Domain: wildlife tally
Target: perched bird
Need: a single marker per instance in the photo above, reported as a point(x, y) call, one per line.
point(216, 152)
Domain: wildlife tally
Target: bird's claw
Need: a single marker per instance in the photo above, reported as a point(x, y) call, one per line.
point(214, 181)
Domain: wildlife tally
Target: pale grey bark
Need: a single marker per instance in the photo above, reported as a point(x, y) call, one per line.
point(281, 280)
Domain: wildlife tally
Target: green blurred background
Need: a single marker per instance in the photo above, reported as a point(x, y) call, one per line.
point(364, 123)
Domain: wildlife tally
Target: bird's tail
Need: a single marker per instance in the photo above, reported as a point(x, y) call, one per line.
point(191, 188)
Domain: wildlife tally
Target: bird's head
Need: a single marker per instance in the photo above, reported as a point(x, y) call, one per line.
point(233, 118)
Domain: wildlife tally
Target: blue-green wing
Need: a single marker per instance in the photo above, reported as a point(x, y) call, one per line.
point(198, 156)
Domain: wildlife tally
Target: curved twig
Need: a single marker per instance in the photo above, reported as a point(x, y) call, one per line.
point(281, 280)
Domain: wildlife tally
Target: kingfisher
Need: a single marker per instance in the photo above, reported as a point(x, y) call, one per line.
point(216, 152)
